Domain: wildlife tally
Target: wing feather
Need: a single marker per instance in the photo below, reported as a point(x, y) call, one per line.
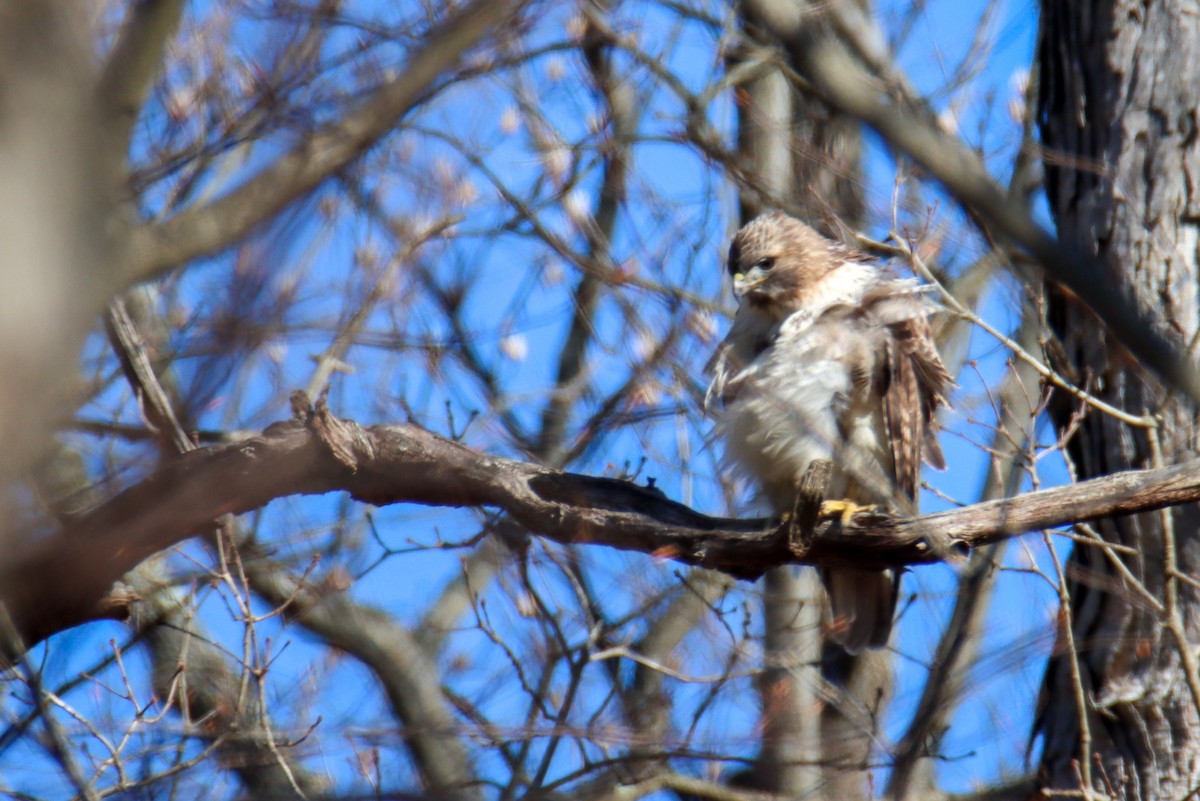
point(916, 389)
point(749, 336)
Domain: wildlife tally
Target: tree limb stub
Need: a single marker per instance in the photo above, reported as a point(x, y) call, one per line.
point(61, 580)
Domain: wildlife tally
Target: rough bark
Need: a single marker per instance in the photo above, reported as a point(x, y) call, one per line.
point(1118, 113)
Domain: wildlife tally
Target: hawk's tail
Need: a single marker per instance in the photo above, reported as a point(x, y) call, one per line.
point(863, 603)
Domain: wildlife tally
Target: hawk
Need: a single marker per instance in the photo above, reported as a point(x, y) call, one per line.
point(829, 357)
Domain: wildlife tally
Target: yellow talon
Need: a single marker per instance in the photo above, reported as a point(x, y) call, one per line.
point(844, 509)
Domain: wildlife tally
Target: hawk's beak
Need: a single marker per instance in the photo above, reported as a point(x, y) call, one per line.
point(745, 283)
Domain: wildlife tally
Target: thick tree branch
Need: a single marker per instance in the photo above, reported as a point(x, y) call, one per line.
point(57, 582)
point(53, 200)
point(406, 672)
point(156, 248)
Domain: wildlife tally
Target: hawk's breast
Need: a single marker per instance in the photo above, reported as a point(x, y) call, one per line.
point(791, 401)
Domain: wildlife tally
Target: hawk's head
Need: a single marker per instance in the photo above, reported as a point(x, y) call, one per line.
point(775, 258)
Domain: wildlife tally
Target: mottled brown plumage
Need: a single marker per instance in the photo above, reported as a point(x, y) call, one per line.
point(828, 358)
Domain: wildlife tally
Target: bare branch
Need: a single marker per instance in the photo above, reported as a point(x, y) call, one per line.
point(624, 114)
point(193, 672)
point(156, 248)
point(957, 652)
point(405, 669)
point(133, 65)
point(56, 583)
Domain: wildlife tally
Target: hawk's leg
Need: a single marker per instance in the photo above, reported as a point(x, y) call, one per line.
point(806, 509)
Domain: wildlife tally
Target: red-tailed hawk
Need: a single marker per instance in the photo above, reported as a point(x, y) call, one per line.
point(828, 358)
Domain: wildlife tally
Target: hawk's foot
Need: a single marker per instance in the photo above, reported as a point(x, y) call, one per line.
point(845, 509)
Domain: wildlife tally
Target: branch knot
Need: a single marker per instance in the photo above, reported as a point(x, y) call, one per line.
point(344, 439)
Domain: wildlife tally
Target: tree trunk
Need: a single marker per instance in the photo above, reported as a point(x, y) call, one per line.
point(819, 703)
point(1118, 113)
point(790, 752)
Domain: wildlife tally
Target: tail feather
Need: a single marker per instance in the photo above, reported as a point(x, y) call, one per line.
point(863, 603)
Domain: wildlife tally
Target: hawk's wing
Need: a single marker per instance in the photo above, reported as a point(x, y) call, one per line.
point(749, 336)
point(916, 387)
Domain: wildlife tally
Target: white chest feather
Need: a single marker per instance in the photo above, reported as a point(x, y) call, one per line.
point(806, 397)
point(784, 416)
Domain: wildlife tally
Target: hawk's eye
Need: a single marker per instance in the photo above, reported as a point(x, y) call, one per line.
point(765, 264)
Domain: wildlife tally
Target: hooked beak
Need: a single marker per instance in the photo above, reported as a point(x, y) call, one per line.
point(746, 283)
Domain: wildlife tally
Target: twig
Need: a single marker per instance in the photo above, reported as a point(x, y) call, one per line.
point(1171, 612)
point(1082, 706)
